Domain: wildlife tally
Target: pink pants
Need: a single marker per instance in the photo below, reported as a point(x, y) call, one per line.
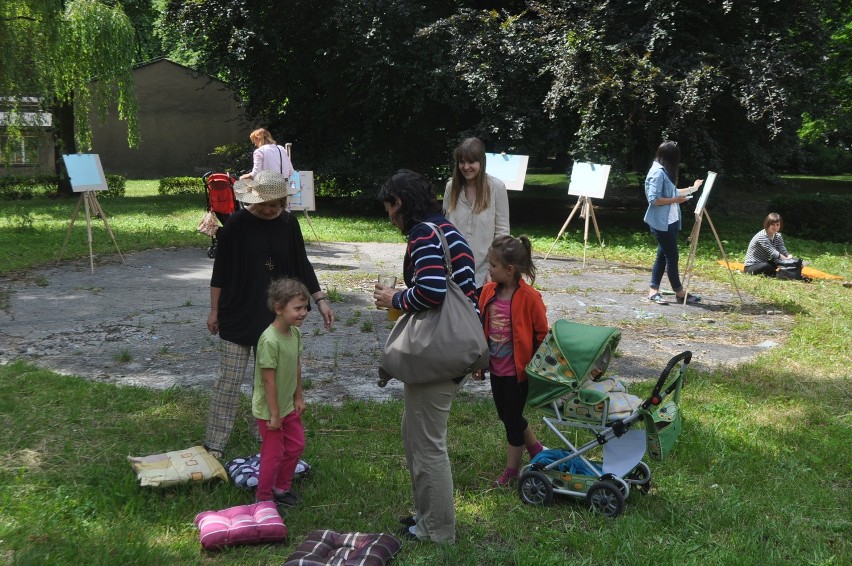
point(280, 451)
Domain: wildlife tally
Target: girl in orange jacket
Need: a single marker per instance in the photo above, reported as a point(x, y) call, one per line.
point(515, 324)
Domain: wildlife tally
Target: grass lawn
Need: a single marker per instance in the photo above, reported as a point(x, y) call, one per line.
point(760, 475)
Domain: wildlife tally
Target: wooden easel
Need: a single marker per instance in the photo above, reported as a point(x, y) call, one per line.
point(693, 247)
point(90, 200)
point(587, 210)
point(289, 148)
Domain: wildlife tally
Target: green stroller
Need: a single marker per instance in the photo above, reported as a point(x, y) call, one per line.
point(567, 380)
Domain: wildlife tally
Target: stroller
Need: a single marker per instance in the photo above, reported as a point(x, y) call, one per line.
point(566, 379)
point(219, 189)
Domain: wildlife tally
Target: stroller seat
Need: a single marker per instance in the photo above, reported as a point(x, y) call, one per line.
point(603, 400)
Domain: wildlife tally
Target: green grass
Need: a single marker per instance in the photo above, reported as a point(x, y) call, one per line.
point(760, 474)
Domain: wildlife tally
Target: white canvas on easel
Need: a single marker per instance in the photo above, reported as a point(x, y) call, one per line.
point(87, 176)
point(588, 180)
point(700, 213)
point(511, 169)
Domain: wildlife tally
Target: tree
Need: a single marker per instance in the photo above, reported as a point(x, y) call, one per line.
point(74, 58)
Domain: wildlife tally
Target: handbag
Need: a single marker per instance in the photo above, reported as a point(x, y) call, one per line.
point(209, 224)
point(442, 343)
point(789, 269)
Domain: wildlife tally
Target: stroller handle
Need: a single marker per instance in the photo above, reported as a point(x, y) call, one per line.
point(655, 398)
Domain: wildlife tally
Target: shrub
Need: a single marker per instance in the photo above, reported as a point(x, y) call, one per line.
point(116, 185)
point(180, 185)
point(814, 216)
point(25, 187)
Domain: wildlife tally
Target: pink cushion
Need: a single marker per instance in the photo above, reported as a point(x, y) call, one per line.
point(323, 548)
point(244, 524)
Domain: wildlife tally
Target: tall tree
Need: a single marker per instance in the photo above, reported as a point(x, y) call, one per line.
point(74, 58)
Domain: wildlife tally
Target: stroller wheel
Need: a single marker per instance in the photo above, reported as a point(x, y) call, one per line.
point(606, 499)
point(640, 476)
point(535, 489)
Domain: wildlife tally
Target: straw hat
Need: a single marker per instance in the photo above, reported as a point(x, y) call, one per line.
point(266, 186)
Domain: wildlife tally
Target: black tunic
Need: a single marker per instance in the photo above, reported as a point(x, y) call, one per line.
point(250, 253)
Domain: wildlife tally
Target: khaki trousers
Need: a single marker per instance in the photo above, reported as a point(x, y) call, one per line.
point(424, 436)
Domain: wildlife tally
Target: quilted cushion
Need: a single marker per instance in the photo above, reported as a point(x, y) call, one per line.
point(180, 466)
point(244, 524)
point(244, 471)
point(344, 549)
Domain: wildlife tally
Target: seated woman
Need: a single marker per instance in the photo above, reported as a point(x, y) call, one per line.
point(766, 248)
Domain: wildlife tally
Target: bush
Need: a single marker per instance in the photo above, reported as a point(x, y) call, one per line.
point(180, 186)
point(814, 216)
point(116, 185)
point(25, 187)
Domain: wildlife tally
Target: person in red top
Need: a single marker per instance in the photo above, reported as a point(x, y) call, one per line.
point(515, 323)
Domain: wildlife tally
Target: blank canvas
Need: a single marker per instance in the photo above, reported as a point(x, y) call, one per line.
point(588, 180)
point(511, 169)
point(85, 172)
point(702, 200)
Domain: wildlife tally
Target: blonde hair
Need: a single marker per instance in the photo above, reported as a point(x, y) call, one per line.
point(261, 135)
point(469, 151)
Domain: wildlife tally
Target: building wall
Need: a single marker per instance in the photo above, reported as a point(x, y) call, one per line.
point(182, 118)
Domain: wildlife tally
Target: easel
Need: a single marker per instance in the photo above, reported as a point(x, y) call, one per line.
point(587, 210)
point(693, 247)
point(289, 148)
point(90, 200)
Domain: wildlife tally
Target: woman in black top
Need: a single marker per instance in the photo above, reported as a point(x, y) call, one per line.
point(259, 243)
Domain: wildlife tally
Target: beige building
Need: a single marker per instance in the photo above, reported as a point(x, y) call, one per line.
point(183, 116)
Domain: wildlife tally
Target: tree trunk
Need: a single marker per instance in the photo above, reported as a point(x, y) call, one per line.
point(64, 144)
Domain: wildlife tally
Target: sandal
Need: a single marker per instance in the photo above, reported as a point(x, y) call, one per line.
point(657, 298)
point(218, 454)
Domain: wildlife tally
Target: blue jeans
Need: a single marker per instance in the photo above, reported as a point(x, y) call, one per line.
point(666, 258)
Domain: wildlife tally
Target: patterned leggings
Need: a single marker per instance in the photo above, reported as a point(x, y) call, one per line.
point(233, 360)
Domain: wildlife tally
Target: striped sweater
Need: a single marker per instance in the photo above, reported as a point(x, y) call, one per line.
point(423, 266)
point(763, 250)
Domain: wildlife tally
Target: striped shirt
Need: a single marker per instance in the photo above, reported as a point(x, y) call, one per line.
point(763, 250)
point(423, 266)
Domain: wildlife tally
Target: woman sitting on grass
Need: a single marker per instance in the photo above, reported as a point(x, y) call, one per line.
point(766, 248)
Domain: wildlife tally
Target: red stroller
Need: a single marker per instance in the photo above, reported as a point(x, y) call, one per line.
point(220, 200)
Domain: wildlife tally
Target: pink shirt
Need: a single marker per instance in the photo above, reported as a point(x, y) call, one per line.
point(500, 338)
point(268, 158)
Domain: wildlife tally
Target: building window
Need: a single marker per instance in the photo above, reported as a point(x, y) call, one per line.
point(20, 151)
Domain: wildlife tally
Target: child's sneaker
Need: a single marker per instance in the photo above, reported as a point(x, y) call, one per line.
point(508, 475)
point(286, 499)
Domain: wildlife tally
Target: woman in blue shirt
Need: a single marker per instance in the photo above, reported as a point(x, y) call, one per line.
point(663, 217)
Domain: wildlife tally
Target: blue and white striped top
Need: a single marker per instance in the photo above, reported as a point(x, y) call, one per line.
point(423, 266)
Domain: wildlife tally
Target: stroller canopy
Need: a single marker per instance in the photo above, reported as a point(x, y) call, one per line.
point(565, 357)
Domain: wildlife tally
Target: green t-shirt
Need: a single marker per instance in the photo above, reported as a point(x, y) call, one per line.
point(275, 350)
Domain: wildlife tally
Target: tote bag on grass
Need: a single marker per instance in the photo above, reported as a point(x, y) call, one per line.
point(436, 344)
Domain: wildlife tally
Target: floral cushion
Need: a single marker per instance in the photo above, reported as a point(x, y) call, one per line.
point(323, 548)
point(244, 524)
point(173, 468)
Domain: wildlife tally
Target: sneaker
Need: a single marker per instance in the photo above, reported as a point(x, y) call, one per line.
point(507, 477)
point(409, 533)
point(286, 499)
point(657, 298)
point(690, 299)
point(409, 521)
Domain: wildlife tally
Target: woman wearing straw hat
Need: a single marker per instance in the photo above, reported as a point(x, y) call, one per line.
point(259, 243)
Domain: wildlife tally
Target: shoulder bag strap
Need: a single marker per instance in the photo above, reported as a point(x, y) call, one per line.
point(448, 264)
point(280, 160)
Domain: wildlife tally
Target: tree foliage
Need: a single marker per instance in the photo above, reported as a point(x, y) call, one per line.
point(79, 55)
point(365, 86)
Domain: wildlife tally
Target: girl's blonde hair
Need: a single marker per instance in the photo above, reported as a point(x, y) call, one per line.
point(261, 135)
point(470, 150)
point(282, 291)
point(516, 252)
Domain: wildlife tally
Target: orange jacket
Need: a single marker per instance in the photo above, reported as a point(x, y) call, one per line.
point(529, 322)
